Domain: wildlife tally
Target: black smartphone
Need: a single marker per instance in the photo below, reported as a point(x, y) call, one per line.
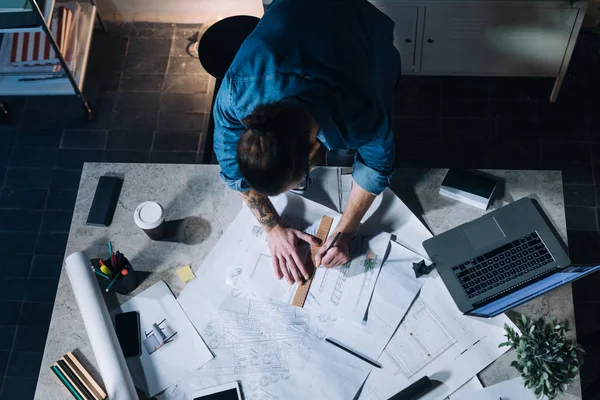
point(105, 201)
point(127, 326)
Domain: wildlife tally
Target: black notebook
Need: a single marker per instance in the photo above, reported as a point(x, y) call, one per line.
point(470, 187)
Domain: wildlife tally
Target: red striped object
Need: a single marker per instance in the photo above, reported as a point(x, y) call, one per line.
point(34, 48)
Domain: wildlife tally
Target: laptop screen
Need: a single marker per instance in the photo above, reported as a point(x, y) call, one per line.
point(533, 290)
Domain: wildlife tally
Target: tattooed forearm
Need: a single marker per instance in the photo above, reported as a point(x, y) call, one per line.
point(262, 208)
point(269, 222)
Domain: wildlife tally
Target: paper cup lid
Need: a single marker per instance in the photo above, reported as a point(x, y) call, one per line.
point(149, 215)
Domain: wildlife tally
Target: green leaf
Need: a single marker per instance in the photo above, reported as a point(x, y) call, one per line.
point(563, 387)
point(547, 368)
point(574, 369)
point(525, 369)
point(544, 376)
point(523, 318)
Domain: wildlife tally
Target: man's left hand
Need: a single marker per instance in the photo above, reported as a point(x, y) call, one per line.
point(338, 255)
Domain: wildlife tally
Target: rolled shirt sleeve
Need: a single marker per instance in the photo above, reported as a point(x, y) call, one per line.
point(374, 164)
point(228, 129)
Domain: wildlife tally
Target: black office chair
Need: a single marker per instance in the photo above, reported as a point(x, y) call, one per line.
point(216, 51)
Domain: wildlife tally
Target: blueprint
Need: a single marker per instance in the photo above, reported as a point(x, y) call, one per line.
point(396, 285)
point(345, 292)
point(396, 288)
point(436, 340)
point(273, 349)
point(420, 338)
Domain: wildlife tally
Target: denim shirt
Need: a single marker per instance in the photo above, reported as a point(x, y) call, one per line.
point(334, 57)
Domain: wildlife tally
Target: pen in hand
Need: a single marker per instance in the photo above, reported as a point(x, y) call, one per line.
point(335, 239)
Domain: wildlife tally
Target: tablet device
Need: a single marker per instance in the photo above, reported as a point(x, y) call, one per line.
point(226, 391)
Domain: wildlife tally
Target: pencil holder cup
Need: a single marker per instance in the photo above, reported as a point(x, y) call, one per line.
point(125, 282)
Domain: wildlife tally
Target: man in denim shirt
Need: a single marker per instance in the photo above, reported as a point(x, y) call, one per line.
point(313, 73)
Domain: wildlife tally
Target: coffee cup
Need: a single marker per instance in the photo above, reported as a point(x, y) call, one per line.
point(150, 217)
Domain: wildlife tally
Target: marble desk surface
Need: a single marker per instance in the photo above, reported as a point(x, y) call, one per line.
point(196, 193)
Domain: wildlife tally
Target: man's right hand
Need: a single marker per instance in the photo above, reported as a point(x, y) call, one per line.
point(283, 244)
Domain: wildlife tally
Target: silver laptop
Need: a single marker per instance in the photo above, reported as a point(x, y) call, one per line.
point(502, 259)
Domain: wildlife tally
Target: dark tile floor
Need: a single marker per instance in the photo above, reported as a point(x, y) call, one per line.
point(151, 103)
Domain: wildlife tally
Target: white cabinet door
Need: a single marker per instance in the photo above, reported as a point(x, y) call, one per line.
point(405, 32)
point(475, 39)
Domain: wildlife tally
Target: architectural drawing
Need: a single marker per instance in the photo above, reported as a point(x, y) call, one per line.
point(263, 341)
point(420, 338)
point(339, 284)
point(263, 262)
point(345, 292)
point(260, 338)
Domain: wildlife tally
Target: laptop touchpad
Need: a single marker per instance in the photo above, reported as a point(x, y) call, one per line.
point(482, 234)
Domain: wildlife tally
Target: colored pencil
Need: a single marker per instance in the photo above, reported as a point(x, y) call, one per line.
point(85, 376)
point(114, 280)
point(74, 380)
point(101, 274)
point(76, 385)
point(65, 382)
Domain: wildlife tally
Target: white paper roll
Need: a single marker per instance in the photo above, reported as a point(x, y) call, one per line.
point(111, 363)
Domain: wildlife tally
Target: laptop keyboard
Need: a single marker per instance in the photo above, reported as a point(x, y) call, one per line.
point(502, 265)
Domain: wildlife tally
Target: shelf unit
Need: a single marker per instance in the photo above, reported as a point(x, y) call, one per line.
point(73, 81)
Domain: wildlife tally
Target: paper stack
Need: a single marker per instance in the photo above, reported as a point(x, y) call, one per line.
point(276, 350)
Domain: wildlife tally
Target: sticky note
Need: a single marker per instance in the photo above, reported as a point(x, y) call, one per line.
point(186, 274)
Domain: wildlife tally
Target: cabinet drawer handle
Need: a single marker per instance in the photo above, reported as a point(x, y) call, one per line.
point(430, 40)
point(407, 40)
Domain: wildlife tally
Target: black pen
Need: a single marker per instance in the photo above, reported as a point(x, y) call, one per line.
point(334, 240)
point(347, 350)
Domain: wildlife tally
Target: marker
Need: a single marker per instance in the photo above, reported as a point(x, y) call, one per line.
point(106, 271)
point(342, 347)
point(113, 259)
point(124, 272)
point(417, 389)
point(101, 274)
point(110, 285)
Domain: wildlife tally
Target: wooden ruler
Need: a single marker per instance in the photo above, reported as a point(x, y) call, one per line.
point(302, 289)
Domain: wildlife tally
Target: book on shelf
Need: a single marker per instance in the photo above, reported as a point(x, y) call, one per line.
point(33, 48)
point(12, 53)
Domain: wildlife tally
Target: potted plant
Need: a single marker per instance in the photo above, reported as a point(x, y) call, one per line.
point(546, 359)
